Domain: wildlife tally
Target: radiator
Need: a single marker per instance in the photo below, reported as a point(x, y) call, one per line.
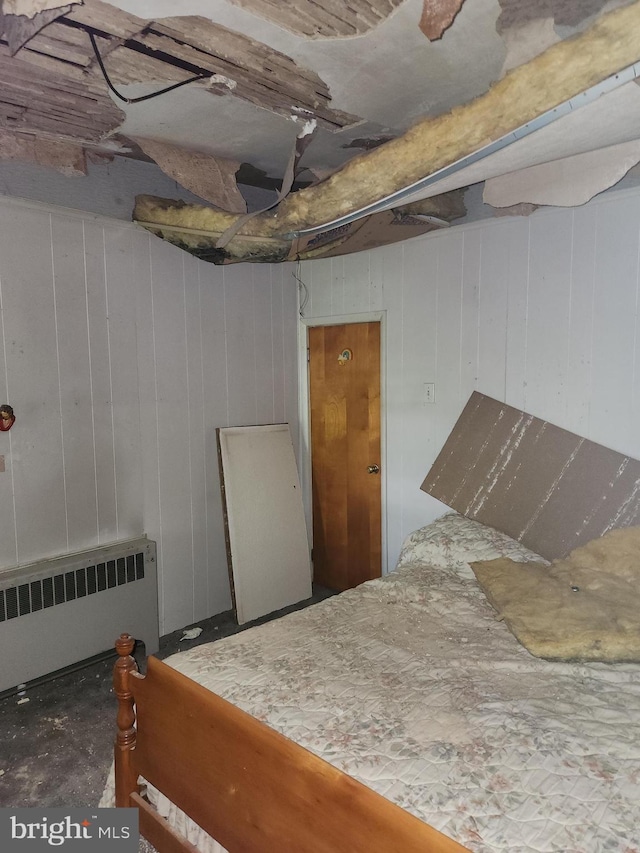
point(61, 611)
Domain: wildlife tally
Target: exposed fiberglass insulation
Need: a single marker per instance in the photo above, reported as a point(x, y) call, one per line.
point(563, 71)
point(197, 228)
point(380, 229)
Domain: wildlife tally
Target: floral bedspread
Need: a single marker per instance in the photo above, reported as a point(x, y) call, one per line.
point(410, 684)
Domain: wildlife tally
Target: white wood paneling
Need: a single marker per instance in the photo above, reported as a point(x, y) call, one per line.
point(75, 382)
point(493, 310)
point(357, 279)
point(541, 312)
point(451, 347)
point(517, 310)
point(391, 259)
point(241, 345)
point(288, 373)
point(549, 285)
point(123, 379)
point(318, 291)
point(100, 366)
point(278, 309)
point(580, 338)
point(469, 333)
point(263, 335)
point(616, 322)
point(8, 533)
point(337, 286)
point(197, 438)
point(33, 382)
point(420, 333)
point(122, 355)
point(215, 414)
point(172, 403)
point(376, 281)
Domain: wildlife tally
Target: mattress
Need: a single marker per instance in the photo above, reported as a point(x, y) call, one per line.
point(411, 685)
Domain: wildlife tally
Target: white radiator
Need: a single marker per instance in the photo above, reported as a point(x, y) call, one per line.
point(61, 611)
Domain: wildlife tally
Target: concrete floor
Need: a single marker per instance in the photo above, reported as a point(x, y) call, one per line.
point(56, 739)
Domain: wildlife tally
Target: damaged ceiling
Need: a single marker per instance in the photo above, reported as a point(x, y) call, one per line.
point(364, 121)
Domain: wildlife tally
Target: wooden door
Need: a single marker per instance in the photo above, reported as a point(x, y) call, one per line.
point(344, 385)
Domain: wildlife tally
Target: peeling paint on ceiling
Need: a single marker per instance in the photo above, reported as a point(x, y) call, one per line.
point(246, 74)
point(323, 18)
point(211, 178)
point(568, 182)
point(437, 17)
point(562, 72)
point(30, 8)
point(567, 13)
point(64, 157)
point(258, 74)
point(19, 29)
point(51, 98)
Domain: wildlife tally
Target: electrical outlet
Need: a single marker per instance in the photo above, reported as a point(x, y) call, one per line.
point(429, 392)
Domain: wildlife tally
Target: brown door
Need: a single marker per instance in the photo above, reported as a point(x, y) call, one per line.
point(344, 385)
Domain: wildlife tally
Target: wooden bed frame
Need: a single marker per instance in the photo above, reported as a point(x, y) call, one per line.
point(249, 787)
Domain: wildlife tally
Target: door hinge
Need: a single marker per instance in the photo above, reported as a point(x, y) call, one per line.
point(308, 355)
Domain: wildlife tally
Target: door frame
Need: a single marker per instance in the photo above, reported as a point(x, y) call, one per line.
point(304, 414)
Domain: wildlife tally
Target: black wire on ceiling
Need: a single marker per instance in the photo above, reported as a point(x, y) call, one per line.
point(142, 97)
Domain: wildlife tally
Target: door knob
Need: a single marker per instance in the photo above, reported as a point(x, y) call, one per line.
point(373, 469)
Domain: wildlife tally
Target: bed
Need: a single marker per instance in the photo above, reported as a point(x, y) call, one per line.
point(434, 728)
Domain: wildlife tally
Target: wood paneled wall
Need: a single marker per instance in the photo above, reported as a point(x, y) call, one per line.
point(539, 312)
point(121, 355)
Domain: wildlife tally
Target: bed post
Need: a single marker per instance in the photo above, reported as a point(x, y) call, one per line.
point(126, 777)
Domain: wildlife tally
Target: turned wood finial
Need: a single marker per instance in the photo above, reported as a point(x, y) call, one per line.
point(125, 644)
point(126, 779)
